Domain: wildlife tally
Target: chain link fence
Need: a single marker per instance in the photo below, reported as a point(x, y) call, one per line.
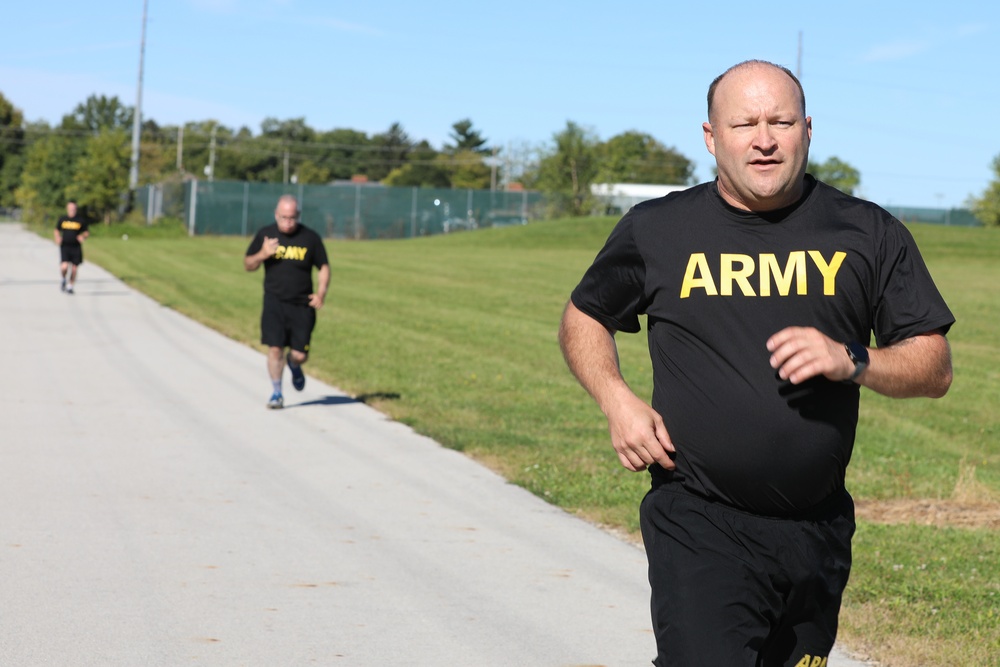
point(960, 217)
point(372, 211)
point(345, 211)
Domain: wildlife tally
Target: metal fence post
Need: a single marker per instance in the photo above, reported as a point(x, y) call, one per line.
point(357, 211)
point(246, 205)
point(149, 204)
point(193, 208)
point(413, 214)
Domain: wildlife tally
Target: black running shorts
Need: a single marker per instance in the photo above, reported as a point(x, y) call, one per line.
point(741, 590)
point(71, 254)
point(284, 324)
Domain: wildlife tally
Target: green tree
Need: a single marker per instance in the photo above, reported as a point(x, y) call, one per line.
point(293, 130)
point(391, 148)
point(837, 173)
point(48, 170)
point(280, 148)
point(467, 170)
point(98, 112)
point(12, 142)
point(239, 155)
point(100, 178)
point(308, 171)
point(345, 152)
point(158, 152)
point(466, 139)
point(10, 178)
point(986, 207)
point(566, 171)
point(78, 159)
point(636, 157)
point(424, 168)
point(232, 155)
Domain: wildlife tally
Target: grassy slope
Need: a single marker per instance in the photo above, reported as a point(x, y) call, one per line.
point(459, 334)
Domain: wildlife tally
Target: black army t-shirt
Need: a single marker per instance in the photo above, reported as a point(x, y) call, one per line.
point(288, 273)
point(715, 283)
point(71, 228)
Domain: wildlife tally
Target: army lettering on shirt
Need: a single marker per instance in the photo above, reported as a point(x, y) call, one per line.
point(291, 253)
point(735, 271)
point(70, 229)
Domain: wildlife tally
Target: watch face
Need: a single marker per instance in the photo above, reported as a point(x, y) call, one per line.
point(858, 352)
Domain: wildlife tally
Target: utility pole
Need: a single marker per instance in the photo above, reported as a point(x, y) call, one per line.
point(211, 155)
point(493, 170)
point(180, 149)
point(798, 62)
point(133, 176)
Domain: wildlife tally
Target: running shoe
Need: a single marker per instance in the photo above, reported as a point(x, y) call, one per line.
point(276, 402)
point(298, 377)
point(63, 286)
point(69, 289)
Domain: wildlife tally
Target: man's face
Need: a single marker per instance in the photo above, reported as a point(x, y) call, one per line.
point(287, 216)
point(760, 138)
point(71, 210)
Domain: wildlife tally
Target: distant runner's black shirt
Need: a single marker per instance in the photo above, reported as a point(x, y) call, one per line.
point(716, 282)
point(288, 273)
point(71, 228)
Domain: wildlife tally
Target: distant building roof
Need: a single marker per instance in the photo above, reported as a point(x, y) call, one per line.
point(633, 190)
point(616, 198)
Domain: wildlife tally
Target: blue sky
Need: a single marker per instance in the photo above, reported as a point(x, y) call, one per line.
point(904, 92)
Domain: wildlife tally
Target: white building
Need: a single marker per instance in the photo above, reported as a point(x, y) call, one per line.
point(620, 197)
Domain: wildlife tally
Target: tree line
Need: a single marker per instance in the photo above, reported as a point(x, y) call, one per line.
point(87, 157)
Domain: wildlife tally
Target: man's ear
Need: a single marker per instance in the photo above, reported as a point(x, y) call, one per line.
point(706, 128)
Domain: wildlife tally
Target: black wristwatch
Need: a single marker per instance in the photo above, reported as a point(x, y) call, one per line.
point(859, 355)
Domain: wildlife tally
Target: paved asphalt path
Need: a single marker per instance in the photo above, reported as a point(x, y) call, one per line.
point(153, 512)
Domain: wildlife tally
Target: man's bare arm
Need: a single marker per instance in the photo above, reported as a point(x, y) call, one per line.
point(637, 431)
point(913, 367)
point(253, 262)
point(317, 299)
point(917, 366)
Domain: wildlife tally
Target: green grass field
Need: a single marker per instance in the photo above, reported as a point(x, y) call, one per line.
point(456, 336)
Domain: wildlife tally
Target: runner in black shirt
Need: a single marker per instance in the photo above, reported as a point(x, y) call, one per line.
point(761, 292)
point(289, 251)
point(69, 234)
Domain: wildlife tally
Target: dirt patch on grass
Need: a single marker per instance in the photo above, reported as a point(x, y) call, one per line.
point(940, 513)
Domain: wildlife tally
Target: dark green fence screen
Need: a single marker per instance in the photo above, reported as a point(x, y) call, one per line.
point(372, 211)
point(349, 211)
point(960, 217)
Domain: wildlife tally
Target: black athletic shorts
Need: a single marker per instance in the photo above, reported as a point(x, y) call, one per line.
point(284, 324)
point(72, 254)
point(741, 590)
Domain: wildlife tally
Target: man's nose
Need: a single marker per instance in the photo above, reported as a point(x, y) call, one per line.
point(764, 138)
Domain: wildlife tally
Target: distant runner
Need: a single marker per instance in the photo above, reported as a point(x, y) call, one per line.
point(289, 251)
point(70, 232)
